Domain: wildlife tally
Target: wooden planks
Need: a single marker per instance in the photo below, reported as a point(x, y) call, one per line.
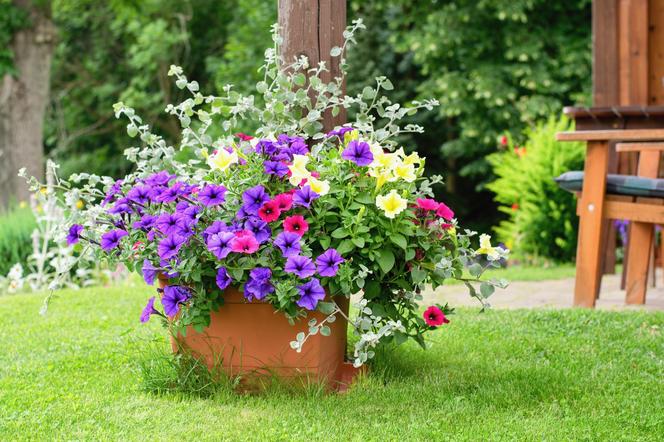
point(640, 147)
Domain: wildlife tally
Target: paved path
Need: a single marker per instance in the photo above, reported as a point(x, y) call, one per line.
point(555, 294)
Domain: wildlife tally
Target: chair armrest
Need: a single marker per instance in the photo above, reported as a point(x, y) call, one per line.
point(640, 147)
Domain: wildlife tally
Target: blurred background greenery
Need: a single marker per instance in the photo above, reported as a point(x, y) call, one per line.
point(498, 67)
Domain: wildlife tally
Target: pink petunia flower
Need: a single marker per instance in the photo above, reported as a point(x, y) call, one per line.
point(427, 204)
point(284, 201)
point(296, 224)
point(244, 137)
point(244, 242)
point(269, 211)
point(444, 212)
point(433, 316)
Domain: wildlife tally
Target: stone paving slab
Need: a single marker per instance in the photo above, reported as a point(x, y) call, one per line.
point(552, 294)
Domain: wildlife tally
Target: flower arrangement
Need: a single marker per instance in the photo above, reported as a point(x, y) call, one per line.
point(292, 215)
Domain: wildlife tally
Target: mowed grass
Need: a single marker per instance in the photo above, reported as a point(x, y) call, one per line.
point(501, 375)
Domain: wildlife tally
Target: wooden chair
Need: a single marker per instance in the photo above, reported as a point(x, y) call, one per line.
point(595, 205)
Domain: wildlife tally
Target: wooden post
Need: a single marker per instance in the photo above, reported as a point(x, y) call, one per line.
point(312, 28)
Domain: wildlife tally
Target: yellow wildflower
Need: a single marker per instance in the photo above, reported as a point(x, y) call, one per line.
point(405, 171)
point(392, 203)
point(79, 204)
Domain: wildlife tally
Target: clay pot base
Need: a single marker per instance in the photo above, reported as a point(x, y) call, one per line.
point(250, 341)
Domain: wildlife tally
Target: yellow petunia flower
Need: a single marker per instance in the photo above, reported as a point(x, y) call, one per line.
point(406, 172)
point(321, 187)
point(79, 204)
point(486, 248)
point(299, 170)
point(222, 159)
point(392, 203)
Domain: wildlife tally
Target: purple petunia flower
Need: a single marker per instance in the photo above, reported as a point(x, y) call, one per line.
point(275, 168)
point(259, 228)
point(167, 269)
point(298, 147)
point(169, 223)
point(148, 311)
point(121, 206)
point(310, 293)
point(358, 152)
point(266, 147)
point(288, 243)
point(170, 246)
point(172, 193)
point(145, 223)
point(161, 178)
point(301, 266)
point(219, 244)
point(141, 194)
point(223, 279)
point(74, 234)
point(188, 214)
point(304, 196)
point(258, 285)
point(111, 239)
point(328, 262)
point(149, 272)
point(212, 195)
point(174, 295)
point(254, 198)
point(339, 132)
point(115, 189)
point(215, 227)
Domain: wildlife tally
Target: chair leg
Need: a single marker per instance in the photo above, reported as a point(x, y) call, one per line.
point(640, 243)
point(588, 261)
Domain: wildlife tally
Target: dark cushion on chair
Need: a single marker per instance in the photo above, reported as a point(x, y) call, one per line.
point(616, 184)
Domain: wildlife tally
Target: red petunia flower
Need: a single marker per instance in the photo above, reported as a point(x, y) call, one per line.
point(433, 316)
point(284, 201)
point(427, 204)
point(244, 137)
point(444, 212)
point(296, 224)
point(503, 140)
point(269, 211)
point(244, 242)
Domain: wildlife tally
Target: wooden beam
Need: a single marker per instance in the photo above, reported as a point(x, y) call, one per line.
point(605, 52)
point(656, 52)
point(312, 28)
point(640, 147)
point(609, 135)
point(633, 51)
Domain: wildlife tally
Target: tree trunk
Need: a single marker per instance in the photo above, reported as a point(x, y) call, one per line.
point(23, 100)
point(313, 28)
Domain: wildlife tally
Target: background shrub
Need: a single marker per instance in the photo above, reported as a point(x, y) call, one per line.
point(541, 218)
point(16, 228)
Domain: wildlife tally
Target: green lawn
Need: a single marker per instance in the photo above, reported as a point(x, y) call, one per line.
point(502, 375)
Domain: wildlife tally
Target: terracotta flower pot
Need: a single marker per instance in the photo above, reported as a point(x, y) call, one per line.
point(252, 340)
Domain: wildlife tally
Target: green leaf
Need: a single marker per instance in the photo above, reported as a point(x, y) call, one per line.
point(487, 289)
point(475, 270)
point(345, 247)
point(385, 260)
point(299, 79)
point(325, 330)
point(418, 275)
point(358, 241)
point(340, 233)
point(387, 85)
point(399, 240)
point(371, 289)
point(326, 308)
point(335, 51)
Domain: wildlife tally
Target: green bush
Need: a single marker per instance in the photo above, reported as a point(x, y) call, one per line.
point(541, 218)
point(16, 228)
